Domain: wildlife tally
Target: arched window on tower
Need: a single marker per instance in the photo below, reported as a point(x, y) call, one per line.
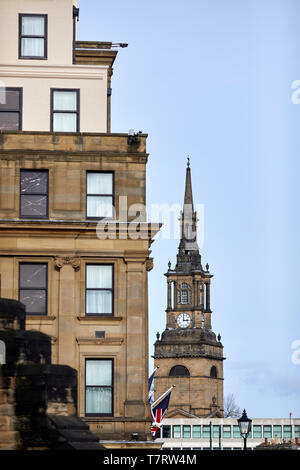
point(213, 372)
point(179, 371)
point(186, 296)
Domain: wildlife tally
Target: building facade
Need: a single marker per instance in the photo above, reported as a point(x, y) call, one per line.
point(206, 434)
point(65, 248)
point(188, 354)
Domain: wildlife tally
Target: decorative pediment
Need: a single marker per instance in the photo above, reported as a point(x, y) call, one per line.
point(179, 413)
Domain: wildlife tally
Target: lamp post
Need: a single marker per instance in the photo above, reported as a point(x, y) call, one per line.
point(245, 427)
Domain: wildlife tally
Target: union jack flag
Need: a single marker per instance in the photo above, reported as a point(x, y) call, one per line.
point(159, 409)
point(151, 386)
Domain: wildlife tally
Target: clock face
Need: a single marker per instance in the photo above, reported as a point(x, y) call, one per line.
point(183, 320)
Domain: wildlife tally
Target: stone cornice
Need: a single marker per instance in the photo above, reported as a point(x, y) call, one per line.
point(37, 228)
point(96, 320)
point(86, 72)
point(169, 355)
point(84, 143)
point(100, 341)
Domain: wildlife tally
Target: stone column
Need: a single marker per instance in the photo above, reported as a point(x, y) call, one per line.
point(207, 297)
point(136, 374)
point(170, 294)
point(67, 268)
point(194, 296)
point(175, 294)
point(201, 293)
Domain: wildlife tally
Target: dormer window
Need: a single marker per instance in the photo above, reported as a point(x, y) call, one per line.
point(32, 36)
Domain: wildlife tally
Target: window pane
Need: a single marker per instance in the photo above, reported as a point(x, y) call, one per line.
point(227, 431)
point(257, 431)
point(99, 206)
point(34, 182)
point(186, 431)
point(34, 206)
point(99, 277)
point(98, 302)
point(98, 400)
point(176, 432)
point(33, 276)
point(99, 372)
point(297, 431)
point(268, 431)
point(277, 431)
point(287, 431)
point(34, 300)
point(216, 431)
point(64, 122)
point(236, 432)
point(10, 99)
point(99, 183)
point(196, 431)
point(166, 431)
point(206, 431)
point(65, 101)
point(32, 47)
point(33, 26)
point(9, 121)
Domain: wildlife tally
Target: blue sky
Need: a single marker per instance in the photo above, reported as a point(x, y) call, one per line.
point(212, 79)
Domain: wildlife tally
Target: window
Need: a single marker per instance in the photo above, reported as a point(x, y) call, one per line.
point(99, 289)
point(11, 109)
point(186, 432)
point(236, 432)
point(277, 430)
point(257, 434)
point(99, 192)
point(179, 371)
point(226, 432)
point(297, 431)
point(216, 431)
point(206, 431)
point(184, 294)
point(99, 387)
point(268, 431)
point(33, 287)
point(176, 432)
point(65, 110)
point(34, 194)
point(213, 372)
point(287, 432)
point(166, 432)
point(196, 431)
point(33, 37)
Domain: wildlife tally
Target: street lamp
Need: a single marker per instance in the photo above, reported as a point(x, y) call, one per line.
point(245, 427)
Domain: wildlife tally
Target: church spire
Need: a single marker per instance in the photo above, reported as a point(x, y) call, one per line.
point(188, 195)
point(188, 257)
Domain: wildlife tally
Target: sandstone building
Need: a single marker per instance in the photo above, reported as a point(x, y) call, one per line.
point(188, 353)
point(62, 172)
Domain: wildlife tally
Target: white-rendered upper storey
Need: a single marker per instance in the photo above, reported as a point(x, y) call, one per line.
point(36, 58)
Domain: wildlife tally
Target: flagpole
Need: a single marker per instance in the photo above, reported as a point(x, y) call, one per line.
point(162, 396)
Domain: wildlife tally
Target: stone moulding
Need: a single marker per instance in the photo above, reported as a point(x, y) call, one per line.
point(60, 262)
point(105, 341)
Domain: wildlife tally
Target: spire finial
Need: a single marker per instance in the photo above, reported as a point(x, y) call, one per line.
point(188, 161)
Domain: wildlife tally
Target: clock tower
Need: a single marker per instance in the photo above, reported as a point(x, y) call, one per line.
point(188, 353)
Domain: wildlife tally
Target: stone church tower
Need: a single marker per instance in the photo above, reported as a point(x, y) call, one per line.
point(188, 353)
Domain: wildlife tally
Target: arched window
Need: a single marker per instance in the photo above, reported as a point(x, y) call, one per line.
point(213, 372)
point(185, 297)
point(179, 371)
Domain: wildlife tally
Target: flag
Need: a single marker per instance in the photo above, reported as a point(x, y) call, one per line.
point(159, 409)
point(151, 387)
